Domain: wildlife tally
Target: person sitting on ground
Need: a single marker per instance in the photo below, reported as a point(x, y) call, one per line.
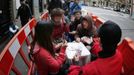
point(59, 28)
point(42, 50)
point(85, 30)
point(75, 23)
point(109, 61)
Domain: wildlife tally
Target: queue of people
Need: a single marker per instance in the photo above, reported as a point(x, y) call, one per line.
point(49, 47)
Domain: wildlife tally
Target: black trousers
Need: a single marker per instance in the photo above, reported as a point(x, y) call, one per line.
point(23, 22)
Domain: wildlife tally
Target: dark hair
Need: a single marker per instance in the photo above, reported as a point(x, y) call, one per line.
point(57, 12)
point(77, 11)
point(88, 19)
point(91, 28)
point(110, 33)
point(43, 31)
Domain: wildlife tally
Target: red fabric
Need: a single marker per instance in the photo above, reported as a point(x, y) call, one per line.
point(59, 30)
point(96, 46)
point(101, 66)
point(74, 70)
point(46, 63)
point(127, 50)
point(62, 50)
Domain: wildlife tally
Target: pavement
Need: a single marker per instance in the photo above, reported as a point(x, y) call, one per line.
point(123, 20)
point(2, 45)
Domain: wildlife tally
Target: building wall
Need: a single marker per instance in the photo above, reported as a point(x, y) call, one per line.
point(133, 9)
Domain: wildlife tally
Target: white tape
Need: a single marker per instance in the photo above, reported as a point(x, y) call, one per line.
point(14, 48)
point(27, 30)
point(100, 19)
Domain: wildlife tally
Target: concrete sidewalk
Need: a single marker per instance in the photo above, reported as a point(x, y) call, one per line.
point(123, 20)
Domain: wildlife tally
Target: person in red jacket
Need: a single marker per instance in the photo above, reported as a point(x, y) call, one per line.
point(42, 50)
point(109, 61)
point(59, 27)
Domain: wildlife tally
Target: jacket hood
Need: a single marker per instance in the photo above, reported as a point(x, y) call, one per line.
point(91, 30)
point(89, 20)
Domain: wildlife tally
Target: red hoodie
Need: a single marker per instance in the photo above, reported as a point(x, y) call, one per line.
point(46, 63)
point(101, 66)
point(59, 30)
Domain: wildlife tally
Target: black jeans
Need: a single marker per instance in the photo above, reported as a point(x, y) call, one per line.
point(23, 22)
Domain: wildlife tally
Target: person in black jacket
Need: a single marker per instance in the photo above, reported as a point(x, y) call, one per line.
point(24, 12)
point(75, 23)
point(77, 20)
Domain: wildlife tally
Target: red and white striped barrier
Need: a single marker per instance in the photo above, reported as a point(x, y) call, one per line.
point(10, 51)
point(14, 47)
point(98, 22)
point(45, 16)
point(94, 17)
point(126, 48)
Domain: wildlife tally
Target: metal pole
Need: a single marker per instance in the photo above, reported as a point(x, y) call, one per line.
point(132, 7)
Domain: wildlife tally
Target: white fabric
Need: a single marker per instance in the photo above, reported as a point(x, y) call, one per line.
point(72, 50)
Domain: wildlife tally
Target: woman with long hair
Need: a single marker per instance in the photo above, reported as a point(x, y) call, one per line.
point(85, 30)
point(42, 50)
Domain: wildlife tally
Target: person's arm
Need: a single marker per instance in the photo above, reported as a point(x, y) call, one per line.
point(77, 38)
point(60, 60)
point(88, 69)
point(54, 64)
point(57, 46)
point(96, 46)
point(71, 27)
point(95, 31)
point(72, 32)
point(74, 70)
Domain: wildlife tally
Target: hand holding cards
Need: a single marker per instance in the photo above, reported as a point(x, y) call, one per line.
point(87, 40)
point(76, 48)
